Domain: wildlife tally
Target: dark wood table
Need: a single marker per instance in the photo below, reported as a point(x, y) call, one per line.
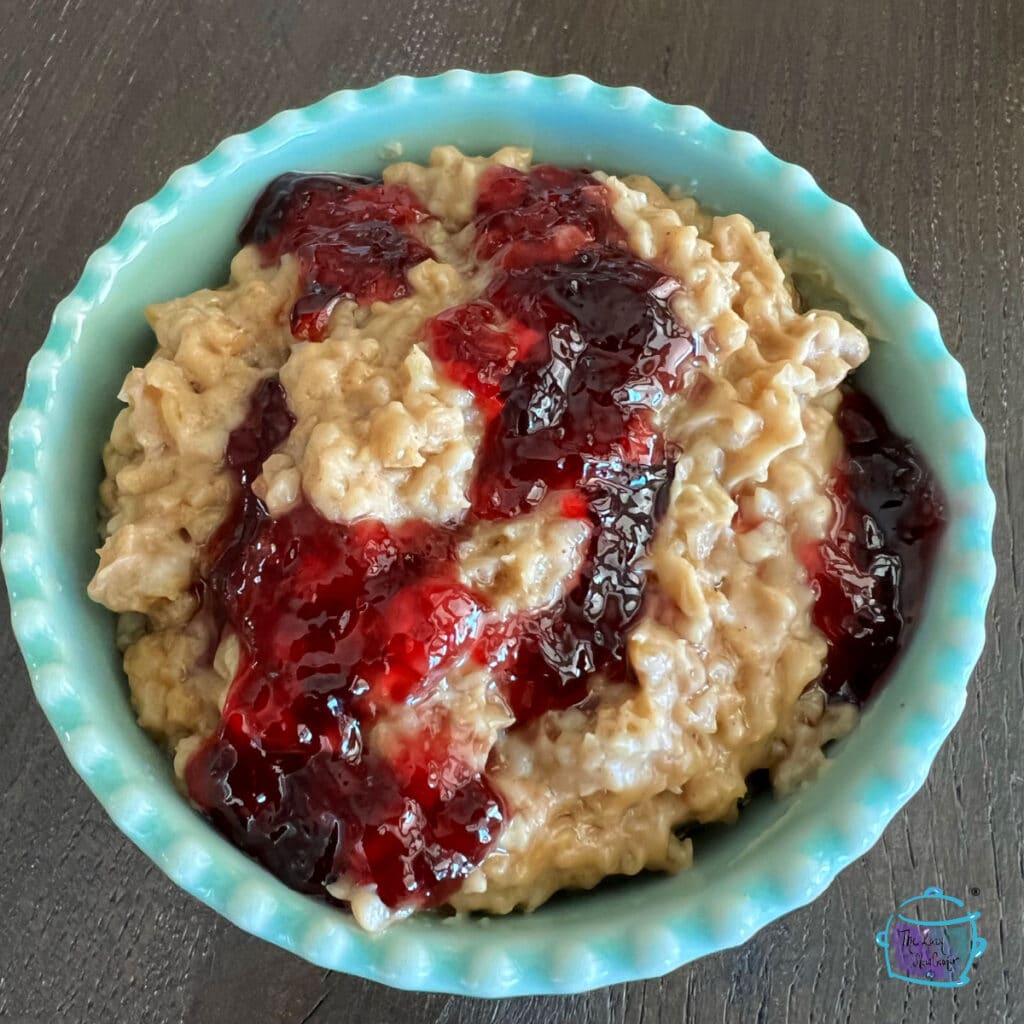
point(911, 111)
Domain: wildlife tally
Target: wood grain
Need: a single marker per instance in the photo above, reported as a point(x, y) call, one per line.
point(912, 112)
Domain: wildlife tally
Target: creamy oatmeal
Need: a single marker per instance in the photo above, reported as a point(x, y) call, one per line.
point(493, 526)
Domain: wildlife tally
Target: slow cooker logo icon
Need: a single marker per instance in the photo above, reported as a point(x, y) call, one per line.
point(927, 947)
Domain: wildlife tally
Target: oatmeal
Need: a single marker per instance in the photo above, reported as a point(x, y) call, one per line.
point(493, 525)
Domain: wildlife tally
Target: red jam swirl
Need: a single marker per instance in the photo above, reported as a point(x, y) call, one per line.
point(568, 352)
point(871, 570)
point(350, 235)
point(335, 623)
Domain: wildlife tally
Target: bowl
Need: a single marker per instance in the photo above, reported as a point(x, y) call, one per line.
point(782, 853)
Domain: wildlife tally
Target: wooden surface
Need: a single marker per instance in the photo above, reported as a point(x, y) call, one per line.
point(911, 111)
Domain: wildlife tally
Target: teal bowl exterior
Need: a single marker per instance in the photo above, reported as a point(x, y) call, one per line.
point(781, 854)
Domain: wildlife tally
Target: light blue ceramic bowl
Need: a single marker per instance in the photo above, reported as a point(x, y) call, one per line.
point(782, 853)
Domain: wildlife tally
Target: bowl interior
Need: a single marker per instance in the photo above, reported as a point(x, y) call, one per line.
point(781, 853)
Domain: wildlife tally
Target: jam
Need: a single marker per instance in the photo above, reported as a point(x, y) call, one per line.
point(350, 235)
point(544, 216)
point(337, 622)
point(569, 351)
point(871, 570)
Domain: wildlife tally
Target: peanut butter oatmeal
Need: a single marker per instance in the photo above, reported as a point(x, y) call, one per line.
point(492, 526)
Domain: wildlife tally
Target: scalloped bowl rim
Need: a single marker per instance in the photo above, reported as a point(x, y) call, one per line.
point(488, 957)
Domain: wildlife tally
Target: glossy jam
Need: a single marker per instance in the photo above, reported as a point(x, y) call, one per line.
point(586, 349)
point(568, 351)
point(336, 623)
point(545, 216)
point(871, 572)
point(350, 235)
